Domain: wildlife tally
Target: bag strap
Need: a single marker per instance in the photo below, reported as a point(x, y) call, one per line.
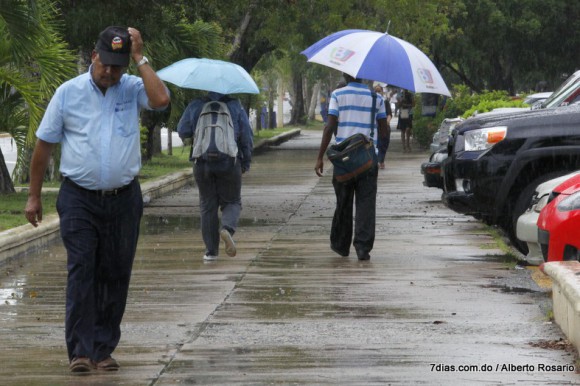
point(373, 114)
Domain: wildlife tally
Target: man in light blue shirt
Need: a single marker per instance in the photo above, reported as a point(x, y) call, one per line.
point(349, 113)
point(95, 117)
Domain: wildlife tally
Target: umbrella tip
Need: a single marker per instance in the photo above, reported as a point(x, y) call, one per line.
point(388, 25)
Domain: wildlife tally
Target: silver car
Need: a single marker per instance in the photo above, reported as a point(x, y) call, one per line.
point(442, 134)
point(527, 228)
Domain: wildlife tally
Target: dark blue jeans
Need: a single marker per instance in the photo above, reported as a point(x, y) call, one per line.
point(100, 235)
point(363, 192)
point(220, 187)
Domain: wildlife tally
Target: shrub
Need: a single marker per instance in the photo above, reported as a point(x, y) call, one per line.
point(463, 104)
point(485, 106)
point(424, 126)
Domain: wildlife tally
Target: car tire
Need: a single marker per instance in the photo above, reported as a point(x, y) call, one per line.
point(521, 205)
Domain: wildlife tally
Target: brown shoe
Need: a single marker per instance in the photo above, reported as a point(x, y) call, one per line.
point(80, 365)
point(107, 364)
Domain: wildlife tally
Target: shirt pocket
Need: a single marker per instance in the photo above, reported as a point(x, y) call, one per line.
point(125, 120)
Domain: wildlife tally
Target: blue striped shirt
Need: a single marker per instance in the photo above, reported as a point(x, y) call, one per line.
point(352, 106)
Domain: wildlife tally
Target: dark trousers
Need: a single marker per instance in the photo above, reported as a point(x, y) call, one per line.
point(100, 235)
point(363, 191)
point(220, 187)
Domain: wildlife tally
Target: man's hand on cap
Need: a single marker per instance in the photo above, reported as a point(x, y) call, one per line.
point(136, 44)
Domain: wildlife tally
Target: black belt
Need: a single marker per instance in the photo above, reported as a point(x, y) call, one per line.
point(100, 193)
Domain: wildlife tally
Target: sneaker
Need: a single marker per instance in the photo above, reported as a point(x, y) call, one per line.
point(80, 365)
point(209, 258)
point(229, 241)
point(107, 364)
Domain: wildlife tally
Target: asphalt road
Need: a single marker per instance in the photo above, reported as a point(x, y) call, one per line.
point(438, 303)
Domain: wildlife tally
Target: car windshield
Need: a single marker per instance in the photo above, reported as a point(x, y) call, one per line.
point(561, 93)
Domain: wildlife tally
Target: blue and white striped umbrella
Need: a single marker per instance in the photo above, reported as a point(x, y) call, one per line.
point(380, 57)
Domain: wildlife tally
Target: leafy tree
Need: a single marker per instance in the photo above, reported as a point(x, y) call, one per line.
point(505, 45)
point(33, 62)
point(169, 35)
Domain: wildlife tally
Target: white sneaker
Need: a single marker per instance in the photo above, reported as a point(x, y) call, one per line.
point(229, 241)
point(209, 258)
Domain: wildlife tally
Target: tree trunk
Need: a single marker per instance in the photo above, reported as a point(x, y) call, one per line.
point(153, 143)
point(270, 119)
point(242, 29)
point(313, 101)
point(281, 94)
point(258, 118)
point(6, 185)
point(298, 116)
point(22, 170)
point(462, 76)
point(169, 141)
point(153, 120)
point(306, 95)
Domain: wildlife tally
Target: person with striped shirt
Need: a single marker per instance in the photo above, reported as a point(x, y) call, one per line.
point(349, 113)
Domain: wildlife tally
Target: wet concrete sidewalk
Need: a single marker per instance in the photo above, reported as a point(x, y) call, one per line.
point(436, 304)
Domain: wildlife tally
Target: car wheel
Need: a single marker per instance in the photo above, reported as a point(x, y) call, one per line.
point(521, 205)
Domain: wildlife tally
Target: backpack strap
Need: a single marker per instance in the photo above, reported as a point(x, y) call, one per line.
point(373, 113)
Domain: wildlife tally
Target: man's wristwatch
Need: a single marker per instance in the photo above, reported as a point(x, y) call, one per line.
point(143, 61)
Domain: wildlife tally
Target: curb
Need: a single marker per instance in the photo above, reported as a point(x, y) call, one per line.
point(277, 140)
point(566, 297)
point(28, 239)
point(25, 239)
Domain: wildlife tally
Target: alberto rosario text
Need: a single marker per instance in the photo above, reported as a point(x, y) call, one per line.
point(502, 367)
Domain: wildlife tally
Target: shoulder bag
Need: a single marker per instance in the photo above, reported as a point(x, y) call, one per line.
point(355, 155)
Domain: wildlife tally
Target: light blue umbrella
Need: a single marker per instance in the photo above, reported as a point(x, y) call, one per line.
point(210, 75)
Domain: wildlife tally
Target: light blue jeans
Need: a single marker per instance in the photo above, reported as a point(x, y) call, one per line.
point(220, 187)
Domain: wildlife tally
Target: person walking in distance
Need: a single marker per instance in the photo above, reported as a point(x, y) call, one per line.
point(389, 112)
point(222, 144)
point(350, 112)
point(405, 123)
point(95, 117)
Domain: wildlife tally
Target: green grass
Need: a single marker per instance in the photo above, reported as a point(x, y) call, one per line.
point(163, 164)
point(509, 258)
point(269, 133)
point(12, 208)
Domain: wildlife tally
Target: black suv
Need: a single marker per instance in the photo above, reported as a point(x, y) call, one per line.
point(494, 164)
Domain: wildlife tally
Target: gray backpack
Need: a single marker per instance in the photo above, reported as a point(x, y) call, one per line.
point(214, 137)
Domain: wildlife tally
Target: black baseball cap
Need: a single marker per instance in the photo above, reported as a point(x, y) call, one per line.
point(114, 46)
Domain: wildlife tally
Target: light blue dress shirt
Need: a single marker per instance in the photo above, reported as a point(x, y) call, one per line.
point(99, 133)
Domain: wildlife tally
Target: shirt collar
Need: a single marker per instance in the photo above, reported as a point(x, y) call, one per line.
point(89, 73)
point(357, 84)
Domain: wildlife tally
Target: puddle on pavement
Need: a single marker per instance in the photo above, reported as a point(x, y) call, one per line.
point(284, 311)
point(510, 289)
point(155, 225)
point(40, 276)
point(244, 359)
point(501, 259)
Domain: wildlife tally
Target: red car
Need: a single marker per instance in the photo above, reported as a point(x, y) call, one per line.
point(559, 222)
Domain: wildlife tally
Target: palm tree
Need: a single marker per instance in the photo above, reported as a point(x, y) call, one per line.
point(33, 62)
